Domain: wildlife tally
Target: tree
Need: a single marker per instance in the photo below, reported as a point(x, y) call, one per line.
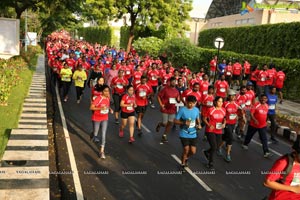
point(19, 5)
point(143, 13)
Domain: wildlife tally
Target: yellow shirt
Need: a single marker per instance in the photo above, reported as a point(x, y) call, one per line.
point(66, 74)
point(79, 77)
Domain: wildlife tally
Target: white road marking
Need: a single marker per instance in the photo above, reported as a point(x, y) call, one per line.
point(271, 150)
point(76, 179)
point(144, 127)
point(206, 187)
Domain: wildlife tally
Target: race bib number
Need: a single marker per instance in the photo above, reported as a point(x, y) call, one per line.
point(192, 124)
point(65, 78)
point(105, 111)
point(127, 72)
point(55, 69)
point(232, 116)
point(120, 86)
point(172, 101)
point(242, 105)
point(272, 107)
point(153, 78)
point(263, 79)
point(228, 73)
point(137, 82)
point(248, 103)
point(209, 103)
point(129, 108)
point(204, 92)
point(222, 90)
point(142, 94)
point(219, 126)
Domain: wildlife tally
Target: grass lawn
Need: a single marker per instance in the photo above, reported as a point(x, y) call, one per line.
point(9, 115)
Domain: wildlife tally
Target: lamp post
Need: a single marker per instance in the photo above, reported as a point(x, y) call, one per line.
point(218, 43)
point(26, 30)
point(196, 20)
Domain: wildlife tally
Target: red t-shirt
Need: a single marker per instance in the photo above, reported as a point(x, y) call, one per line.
point(237, 69)
point(95, 93)
point(207, 103)
point(191, 92)
point(231, 111)
point(272, 75)
point(260, 112)
point(279, 80)
point(153, 76)
point(101, 115)
point(213, 65)
point(250, 98)
point(199, 76)
point(71, 63)
point(128, 100)
point(241, 100)
point(215, 118)
point(165, 78)
point(168, 96)
point(137, 78)
point(253, 76)
point(247, 68)
point(221, 88)
point(128, 71)
point(141, 93)
point(262, 78)
point(204, 87)
point(119, 85)
point(228, 70)
point(276, 173)
point(192, 82)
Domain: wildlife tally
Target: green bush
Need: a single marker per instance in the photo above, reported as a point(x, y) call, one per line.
point(150, 45)
point(102, 35)
point(275, 40)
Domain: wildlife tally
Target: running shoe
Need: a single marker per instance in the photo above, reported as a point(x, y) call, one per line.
point(245, 147)
point(78, 101)
point(102, 155)
point(117, 121)
point(157, 127)
point(219, 152)
point(164, 139)
point(227, 158)
point(152, 106)
point(95, 139)
point(131, 140)
point(121, 134)
point(140, 133)
point(267, 154)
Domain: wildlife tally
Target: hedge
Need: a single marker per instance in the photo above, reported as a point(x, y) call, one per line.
point(102, 35)
point(181, 51)
point(275, 40)
point(149, 45)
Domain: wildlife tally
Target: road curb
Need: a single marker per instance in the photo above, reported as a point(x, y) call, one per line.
point(287, 133)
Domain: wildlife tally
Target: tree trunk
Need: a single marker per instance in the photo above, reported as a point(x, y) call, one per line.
point(19, 13)
point(131, 36)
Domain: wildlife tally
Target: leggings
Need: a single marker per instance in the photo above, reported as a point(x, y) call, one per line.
point(103, 130)
point(79, 92)
point(214, 141)
point(66, 87)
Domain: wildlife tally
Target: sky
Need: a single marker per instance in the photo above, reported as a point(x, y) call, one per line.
point(200, 8)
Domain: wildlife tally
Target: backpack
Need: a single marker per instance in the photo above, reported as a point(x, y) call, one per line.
point(288, 168)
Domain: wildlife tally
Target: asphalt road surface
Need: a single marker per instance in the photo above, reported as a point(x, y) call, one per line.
point(149, 170)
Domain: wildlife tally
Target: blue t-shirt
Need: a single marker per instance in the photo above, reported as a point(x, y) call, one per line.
point(222, 68)
point(272, 100)
point(188, 114)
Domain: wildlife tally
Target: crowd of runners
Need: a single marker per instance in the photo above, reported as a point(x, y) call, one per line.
point(227, 99)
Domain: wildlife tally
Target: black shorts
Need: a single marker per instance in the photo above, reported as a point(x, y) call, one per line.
point(246, 77)
point(189, 141)
point(228, 134)
point(125, 115)
point(140, 109)
point(236, 77)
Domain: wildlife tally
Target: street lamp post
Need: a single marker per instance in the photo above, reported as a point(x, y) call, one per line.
point(219, 43)
point(196, 20)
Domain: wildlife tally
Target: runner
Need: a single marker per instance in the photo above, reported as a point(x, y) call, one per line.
point(221, 87)
point(96, 90)
point(258, 123)
point(167, 98)
point(66, 75)
point(189, 121)
point(215, 121)
point(237, 72)
point(142, 92)
point(285, 185)
point(118, 84)
point(241, 100)
point(221, 68)
point(153, 76)
point(231, 108)
point(194, 92)
point(204, 85)
point(272, 101)
point(100, 107)
point(262, 77)
point(79, 77)
point(228, 74)
point(128, 104)
point(213, 68)
point(279, 80)
point(246, 71)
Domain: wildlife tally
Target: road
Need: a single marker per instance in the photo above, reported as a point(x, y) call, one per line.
point(148, 170)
